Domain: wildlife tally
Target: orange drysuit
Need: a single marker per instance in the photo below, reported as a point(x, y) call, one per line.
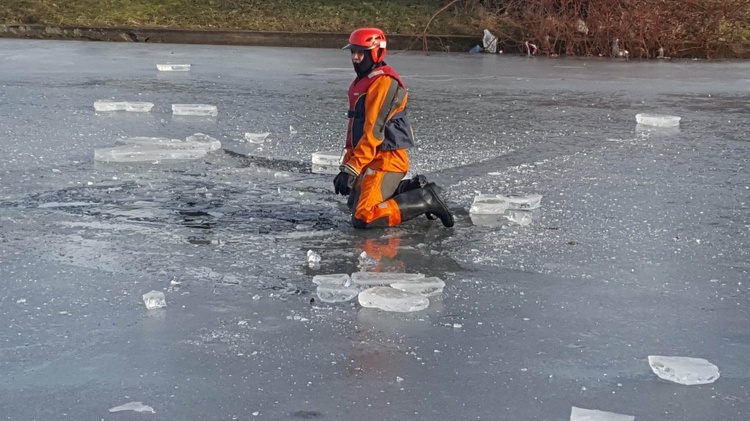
point(377, 138)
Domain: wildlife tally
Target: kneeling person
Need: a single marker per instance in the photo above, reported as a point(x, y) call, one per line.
point(377, 140)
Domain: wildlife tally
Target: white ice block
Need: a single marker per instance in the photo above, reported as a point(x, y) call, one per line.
point(391, 299)
point(684, 370)
point(147, 153)
point(428, 287)
point(108, 105)
point(173, 67)
point(326, 162)
point(332, 279)
point(204, 110)
point(581, 414)
point(154, 299)
point(203, 141)
point(197, 141)
point(256, 137)
point(368, 279)
point(657, 120)
point(494, 204)
point(522, 218)
point(335, 288)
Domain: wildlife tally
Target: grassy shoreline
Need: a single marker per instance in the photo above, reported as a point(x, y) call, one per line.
point(686, 32)
point(408, 17)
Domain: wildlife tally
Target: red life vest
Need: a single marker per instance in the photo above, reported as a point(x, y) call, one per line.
point(399, 137)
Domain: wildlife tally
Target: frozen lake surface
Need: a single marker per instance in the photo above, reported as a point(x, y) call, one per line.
point(641, 245)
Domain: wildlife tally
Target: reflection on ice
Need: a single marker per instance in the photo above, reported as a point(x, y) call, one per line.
point(684, 370)
point(580, 414)
point(391, 299)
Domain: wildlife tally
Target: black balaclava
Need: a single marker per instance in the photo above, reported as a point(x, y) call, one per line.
point(364, 67)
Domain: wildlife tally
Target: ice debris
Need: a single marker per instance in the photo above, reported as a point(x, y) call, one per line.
point(335, 288)
point(201, 110)
point(133, 406)
point(428, 287)
point(313, 259)
point(657, 120)
point(581, 414)
point(326, 162)
point(256, 137)
point(173, 67)
point(495, 209)
point(391, 299)
point(684, 370)
point(149, 149)
point(154, 300)
point(369, 279)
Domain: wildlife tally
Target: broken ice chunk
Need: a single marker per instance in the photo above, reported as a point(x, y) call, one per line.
point(173, 67)
point(369, 279)
point(203, 140)
point(313, 258)
point(580, 414)
point(107, 105)
point(493, 204)
point(133, 406)
point(326, 162)
point(154, 299)
point(335, 288)
point(427, 287)
point(520, 217)
point(204, 110)
point(147, 153)
point(391, 299)
point(657, 120)
point(256, 137)
point(683, 370)
point(332, 279)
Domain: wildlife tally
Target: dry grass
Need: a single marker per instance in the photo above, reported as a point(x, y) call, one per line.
point(394, 16)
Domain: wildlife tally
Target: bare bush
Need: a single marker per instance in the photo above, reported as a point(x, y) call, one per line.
point(622, 28)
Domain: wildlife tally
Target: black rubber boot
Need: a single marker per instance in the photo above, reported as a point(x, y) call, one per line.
point(420, 201)
point(416, 182)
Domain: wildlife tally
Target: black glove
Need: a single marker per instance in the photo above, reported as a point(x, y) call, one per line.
point(343, 183)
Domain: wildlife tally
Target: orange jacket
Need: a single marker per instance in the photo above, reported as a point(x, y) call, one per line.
point(384, 98)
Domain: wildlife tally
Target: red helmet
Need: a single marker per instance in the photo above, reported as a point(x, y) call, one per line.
point(372, 39)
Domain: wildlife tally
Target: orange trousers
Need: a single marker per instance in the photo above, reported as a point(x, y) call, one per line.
point(370, 202)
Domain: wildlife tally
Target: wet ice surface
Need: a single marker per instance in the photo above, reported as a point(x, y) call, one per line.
point(640, 246)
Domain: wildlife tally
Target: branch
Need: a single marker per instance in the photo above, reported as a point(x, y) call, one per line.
point(424, 33)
